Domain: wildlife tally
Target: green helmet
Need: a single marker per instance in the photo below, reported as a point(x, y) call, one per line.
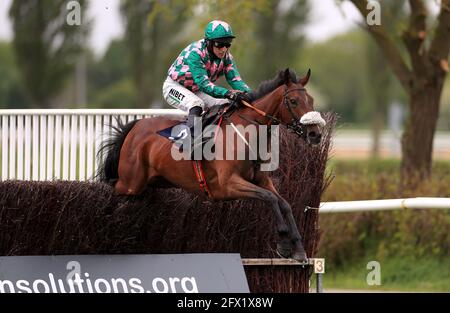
point(218, 29)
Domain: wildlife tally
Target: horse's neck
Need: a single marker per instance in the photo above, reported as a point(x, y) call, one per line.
point(269, 104)
point(245, 116)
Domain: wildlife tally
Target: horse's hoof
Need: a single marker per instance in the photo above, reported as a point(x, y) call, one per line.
point(300, 257)
point(284, 251)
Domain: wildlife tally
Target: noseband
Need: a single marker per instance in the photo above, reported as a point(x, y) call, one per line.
point(295, 125)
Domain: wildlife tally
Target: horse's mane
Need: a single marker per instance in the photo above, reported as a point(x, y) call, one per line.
point(270, 85)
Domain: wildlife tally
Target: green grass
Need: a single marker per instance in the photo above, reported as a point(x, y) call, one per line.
point(397, 273)
point(413, 247)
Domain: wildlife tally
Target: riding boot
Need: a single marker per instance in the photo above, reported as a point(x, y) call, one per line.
point(194, 113)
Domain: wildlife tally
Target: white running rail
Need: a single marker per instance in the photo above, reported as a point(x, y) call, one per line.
point(62, 144)
point(383, 205)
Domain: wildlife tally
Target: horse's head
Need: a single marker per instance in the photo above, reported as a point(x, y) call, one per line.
point(297, 109)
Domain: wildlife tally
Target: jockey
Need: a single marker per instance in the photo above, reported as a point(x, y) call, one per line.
point(190, 82)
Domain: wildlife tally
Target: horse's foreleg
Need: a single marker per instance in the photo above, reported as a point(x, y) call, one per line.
point(239, 188)
point(299, 252)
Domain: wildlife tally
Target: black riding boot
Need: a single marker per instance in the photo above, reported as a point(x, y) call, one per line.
point(194, 113)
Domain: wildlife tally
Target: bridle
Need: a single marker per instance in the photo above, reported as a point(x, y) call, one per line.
point(294, 126)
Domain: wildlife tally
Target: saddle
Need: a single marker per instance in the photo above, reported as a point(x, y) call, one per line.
point(211, 116)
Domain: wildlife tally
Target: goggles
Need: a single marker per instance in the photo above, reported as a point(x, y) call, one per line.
point(220, 45)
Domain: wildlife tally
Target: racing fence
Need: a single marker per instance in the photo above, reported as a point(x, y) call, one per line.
point(60, 215)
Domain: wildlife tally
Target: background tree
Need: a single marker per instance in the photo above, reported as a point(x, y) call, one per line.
point(152, 33)
point(421, 74)
point(278, 37)
point(110, 83)
point(46, 47)
point(380, 81)
point(340, 79)
point(11, 93)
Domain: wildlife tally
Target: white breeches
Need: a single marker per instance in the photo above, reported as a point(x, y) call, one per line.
point(180, 97)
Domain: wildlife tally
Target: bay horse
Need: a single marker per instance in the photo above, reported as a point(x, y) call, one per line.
point(136, 156)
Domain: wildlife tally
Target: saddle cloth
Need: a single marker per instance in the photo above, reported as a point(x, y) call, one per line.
point(211, 116)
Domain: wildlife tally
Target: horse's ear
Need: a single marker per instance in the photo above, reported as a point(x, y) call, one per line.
point(287, 76)
point(305, 79)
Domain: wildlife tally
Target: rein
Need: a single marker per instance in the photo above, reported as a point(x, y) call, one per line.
point(295, 124)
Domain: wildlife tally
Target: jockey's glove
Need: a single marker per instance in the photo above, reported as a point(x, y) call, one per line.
point(237, 96)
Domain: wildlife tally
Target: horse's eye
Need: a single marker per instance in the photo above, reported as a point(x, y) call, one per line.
point(293, 101)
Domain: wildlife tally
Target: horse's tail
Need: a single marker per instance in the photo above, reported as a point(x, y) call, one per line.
point(108, 167)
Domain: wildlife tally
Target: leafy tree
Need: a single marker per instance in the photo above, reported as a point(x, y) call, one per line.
point(340, 75)
point(11, 93)
point(151, 36)
point(120, 94)
point(109, 78)
point(45, 45)
point(277, 37)
point(422, 73)
point(112, 67)
point(380, 81)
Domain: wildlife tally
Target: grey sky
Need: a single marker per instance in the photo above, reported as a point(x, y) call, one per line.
point(327, 20)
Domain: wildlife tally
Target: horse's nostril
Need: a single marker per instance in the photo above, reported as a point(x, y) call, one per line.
point(314, 137)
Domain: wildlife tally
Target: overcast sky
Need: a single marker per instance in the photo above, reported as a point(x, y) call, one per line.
point(328, 20)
